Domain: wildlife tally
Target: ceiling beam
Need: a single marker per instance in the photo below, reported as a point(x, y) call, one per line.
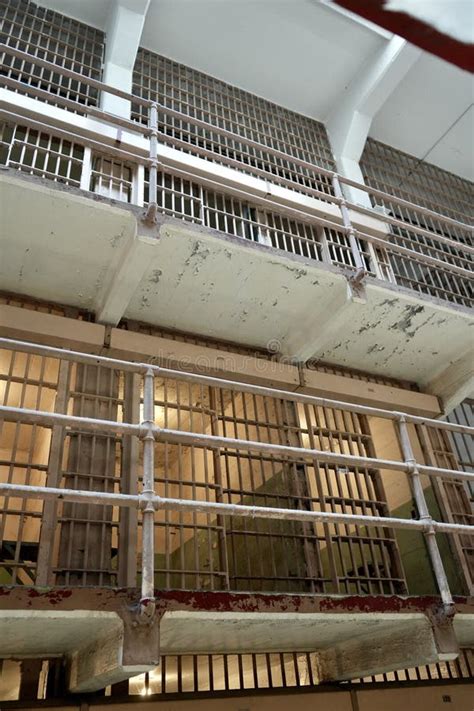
point(350, 119)
point(125, 23)
point(125, 274)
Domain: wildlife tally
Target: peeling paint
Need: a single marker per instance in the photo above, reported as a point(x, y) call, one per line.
point(375, 347)
point(388, 302)
point(155, 276)
point(407, 321)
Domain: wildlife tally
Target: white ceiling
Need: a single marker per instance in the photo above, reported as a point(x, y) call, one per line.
point(430, 115)
point(303, 54)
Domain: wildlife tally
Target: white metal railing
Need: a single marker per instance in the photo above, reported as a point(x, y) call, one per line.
point(150, 433)
point(443, 268)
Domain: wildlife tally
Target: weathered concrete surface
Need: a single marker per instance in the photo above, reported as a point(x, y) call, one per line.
point(94, 628)
point(93, 642)
point(95, 254)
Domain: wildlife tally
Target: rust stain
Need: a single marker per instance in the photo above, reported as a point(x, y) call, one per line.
point(116, 598)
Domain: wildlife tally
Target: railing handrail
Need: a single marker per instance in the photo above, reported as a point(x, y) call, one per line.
point(213, 381)
point(136, 126)
point(151, 433)
point(204, 441)
point(310, 218)
point(71, 74)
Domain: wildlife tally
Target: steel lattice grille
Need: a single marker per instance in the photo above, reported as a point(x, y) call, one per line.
point(42, 154)
point(25, 381)
point(190, 201)
point(203, 97)
point(392, 171)
point(215, 553)
point(78, 544)
point(453, 497)
point(462, 445)
point(204, 675)
point(48, 35)
point(237, 672)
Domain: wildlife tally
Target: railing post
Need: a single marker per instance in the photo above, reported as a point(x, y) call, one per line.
point(346, 221)
point(420, 500)
point(150, 216)
point(147, 601)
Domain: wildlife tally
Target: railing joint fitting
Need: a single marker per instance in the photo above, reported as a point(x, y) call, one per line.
point(147, 430)
point(412, 467)
point(359, 276)
point(146, 611)
point(149, 218)
point(429, 529)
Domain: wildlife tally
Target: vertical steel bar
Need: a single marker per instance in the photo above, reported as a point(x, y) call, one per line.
point(49, 517)
point(148, 488)
point(442, 490)
point(420, 500)
point(128, 523)
point(218, 479)
point(346, 220)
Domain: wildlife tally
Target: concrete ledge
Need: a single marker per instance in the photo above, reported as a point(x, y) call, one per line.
point(188, 278)
point(354, 635)
point(94, 643)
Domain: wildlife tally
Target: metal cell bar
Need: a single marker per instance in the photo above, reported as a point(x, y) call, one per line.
point(404, 203)
point(407, 225)
point(49, 516)
point(223, 558)
point(69, 73)
point(86, 109)
point(452, 497)
point(417, 256)
point(127, 559)
point(424, 514)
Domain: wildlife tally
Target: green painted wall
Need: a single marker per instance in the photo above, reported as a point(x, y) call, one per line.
point(415, 557)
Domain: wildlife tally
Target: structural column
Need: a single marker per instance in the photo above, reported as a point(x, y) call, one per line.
point(124, 29)
point(350, 119)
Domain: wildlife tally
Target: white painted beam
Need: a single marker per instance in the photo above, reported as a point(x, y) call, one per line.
point(125, 23)
point(349, 121)
point(326, 323)
point(125, 275)
point(455, 383)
